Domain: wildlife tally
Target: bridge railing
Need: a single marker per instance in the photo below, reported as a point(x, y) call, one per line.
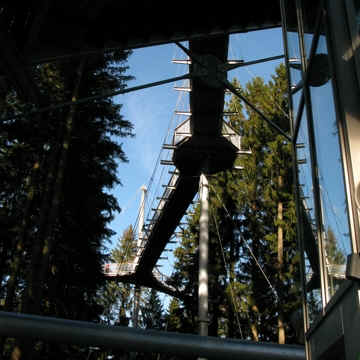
point(116, 269)
point(169, 188)
point(148, 341)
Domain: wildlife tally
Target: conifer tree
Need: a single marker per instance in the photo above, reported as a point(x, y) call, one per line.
point(116, 297)
point(153, 312)
point(57, 168)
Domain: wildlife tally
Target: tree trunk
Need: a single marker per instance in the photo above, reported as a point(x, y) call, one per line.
point(254, 331)
point(280, 238)
point(43, 246)
point(253, 327)
point(19, 244)
point(36, 255)
point(45, 239)
point(281, 328)
point(20, 239)
point(280, 258)
point(232, 307)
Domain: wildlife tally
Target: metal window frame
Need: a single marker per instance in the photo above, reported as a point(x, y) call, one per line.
point(294, 128)
point(350, 189)
point(306, 60)
point(306, 65)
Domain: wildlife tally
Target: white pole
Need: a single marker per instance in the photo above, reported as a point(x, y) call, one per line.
point(203, 256)
point(141, 216)
point(138, 251)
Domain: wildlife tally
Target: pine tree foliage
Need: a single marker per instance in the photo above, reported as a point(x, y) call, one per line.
point(116, 298)
point(55, 171)
point(152, 311)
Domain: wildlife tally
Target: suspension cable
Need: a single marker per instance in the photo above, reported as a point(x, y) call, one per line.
point(151, 194)
point(235, 304)
point(171, 122)
point(248, 247)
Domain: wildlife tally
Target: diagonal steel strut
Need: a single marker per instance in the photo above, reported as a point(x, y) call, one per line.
point(230, 87)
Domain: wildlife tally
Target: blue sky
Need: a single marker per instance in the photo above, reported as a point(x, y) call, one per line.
point(152, 109)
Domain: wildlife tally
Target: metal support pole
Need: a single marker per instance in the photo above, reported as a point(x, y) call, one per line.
point(140, 245)
point(120, 337)
point(141, 216)
point(294, 128)
point(306, 64)
point(204, 256)
point(135, 317)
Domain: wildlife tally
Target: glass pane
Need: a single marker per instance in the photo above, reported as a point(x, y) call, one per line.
point(304, 167)
point(291, 28)
point(307, 43)
point(293, 45)
point(312, 270)
point(357, 16)
point(295, 76)
point(330, 171)
point(294, 55)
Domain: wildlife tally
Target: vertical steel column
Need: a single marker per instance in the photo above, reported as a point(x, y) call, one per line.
point(203, 256)
point(138, 250)
point(312, 146)
point(137, 295)
point(141, 217)
point(299, 225)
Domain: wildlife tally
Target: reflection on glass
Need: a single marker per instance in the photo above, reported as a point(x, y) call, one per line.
point(313, 296)
point(293, 45)
point(336, 242)
point(295, 68)
point(309, 229)
point(296, 102)
point(304, 167)
point(293, 54)
point(307, 43)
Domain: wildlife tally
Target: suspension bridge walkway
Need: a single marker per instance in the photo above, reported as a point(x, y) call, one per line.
point(197, 142)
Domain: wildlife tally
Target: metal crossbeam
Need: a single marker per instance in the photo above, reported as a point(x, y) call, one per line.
point(233, 66)
point(188, 61)
point(188, 113)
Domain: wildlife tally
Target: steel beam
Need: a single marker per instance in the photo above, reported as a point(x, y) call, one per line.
point(130, 339)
